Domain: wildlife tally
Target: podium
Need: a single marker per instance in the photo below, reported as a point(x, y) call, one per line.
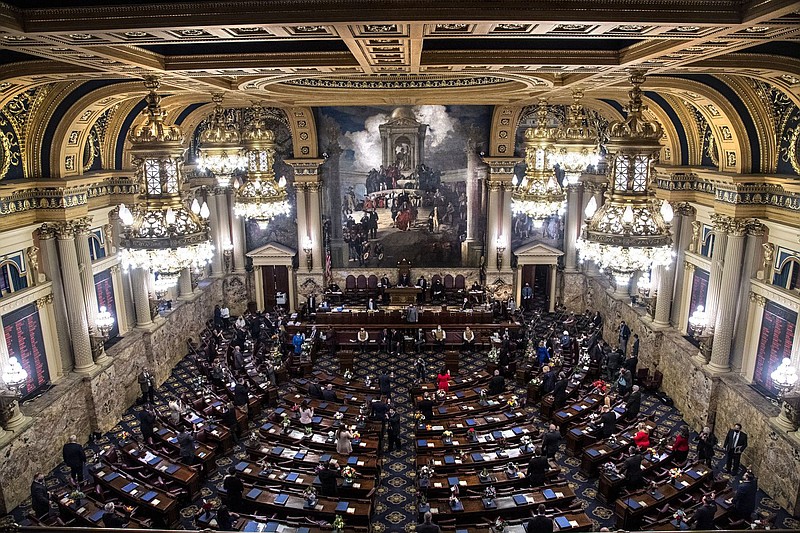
point(403, 295)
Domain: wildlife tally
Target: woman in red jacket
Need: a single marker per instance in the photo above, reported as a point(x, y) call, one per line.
point(443, 380)
point(680, 448)
point(642, 437)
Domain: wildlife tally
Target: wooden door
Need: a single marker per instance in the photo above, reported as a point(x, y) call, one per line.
point(276, 283)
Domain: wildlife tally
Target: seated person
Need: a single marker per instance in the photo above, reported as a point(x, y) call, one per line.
point(469, 339)
point(642, 437)
point(334, 288)
point(328, 394)
point(437, 289)
point(372, 305)
point(439, 336)
point(466, 305)
point(476, 287)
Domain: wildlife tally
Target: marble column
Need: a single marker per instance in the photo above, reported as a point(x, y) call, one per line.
point(141, 296)
point(728, 297)
point(572, 228)
point(498, 213)
point(302, 220)
point(73, 294)
point(505, 223)
point(596, 192)
point(473, 191)
point(82, 232)
point(127, 295)
point(314, 212)
point(185, 283)
point(751, 262)
point(553, 274)
point(666, 282)
point(493, 229)
point(717, 265)
point(224, 229)
point(217, 265)
point(47, 242)
point(685, 213)
point(238, 239)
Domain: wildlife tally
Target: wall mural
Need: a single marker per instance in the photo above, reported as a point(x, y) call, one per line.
point(398, 182)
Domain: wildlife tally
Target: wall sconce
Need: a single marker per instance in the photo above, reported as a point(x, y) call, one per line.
point(227, 255)
point(14, 377)
point(500, 246)
point(104, 322)
point(308, 248)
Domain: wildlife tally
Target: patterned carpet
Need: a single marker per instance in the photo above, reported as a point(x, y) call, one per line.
point(395, 503)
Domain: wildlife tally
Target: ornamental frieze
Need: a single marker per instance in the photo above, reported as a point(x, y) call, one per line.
point(47, 198)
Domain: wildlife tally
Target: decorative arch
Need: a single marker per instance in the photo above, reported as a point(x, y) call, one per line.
point(765, 125)
point(36, 139)
point(671, 150)
point(505, 120)
point(304, 132)
point(694, 144)
point(729, 128)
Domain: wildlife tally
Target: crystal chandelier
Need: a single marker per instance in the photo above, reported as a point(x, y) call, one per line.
point(260, 198)
point(576, 147)
point(104, 321)
point(221, 146)
point(161, 234)
point(538, 195)
point(629, 231)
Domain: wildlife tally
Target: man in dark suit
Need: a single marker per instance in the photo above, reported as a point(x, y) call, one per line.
point(328, 394)
point(634, 403)
point(527, 297)
point(425, 407)
point(427, 526)
point(385, 383)
point(550, 442)
point(234, 488)
point(147, 420)
point(613, 364)
point(609, 421)
point(394, 429)
point(147, 383)
point(327, 478)
point(40, 496)
point(240, 395)
point(548, 379)
point(735, 444)
point(632, 468)
point(74, 458)
point(540, 523)
point(422, 283)
point(703, 518)
point(537, 469)
point(311, 304)
point(744, 501)
point(372, 305)
point(186, 444)
point(497, 384)
point(624, 335)
point(314, 390)
point(560, 391)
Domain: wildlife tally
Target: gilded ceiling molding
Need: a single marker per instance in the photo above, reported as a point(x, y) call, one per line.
point(734, 144)
point(109, 148)
point(781, 71)
point(671, 147)
point(505, 121)
point(762, 118)
point(694, 142)
point(304, 132)
point(69, 140)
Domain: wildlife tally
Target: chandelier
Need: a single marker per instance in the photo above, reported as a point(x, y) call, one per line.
point(260, 198)
point(161, 234)
point(630, 231)
point(220, 146)
point(538, 195)
point(576, 145)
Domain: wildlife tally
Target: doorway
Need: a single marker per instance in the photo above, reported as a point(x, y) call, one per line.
point(276, 285)
point(539, 278)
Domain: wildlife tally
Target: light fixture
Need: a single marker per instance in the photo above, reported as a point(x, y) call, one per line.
point(162, 284)
point(628, 232)
point(14, 379)
point(500, 246)
point(227, 255)
point(643, 285)
point(308, 248)
point(260, 198)
point(538, 195)
point(698, 321)
point(784, 379)
point(161, 234)
point(220, 150)
point(576, 145)
point(104, 321)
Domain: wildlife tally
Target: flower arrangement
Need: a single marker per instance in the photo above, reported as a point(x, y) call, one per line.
point(419, 417)
point(308, 430)
point(610, 468)
point(525, 441)
point(453, 499)
point(254, 436)
point(348, 375)
point(512, 468)
point(310, 493)
point(286, 423)
point(338, 524)
point(675, 472)
point(265, 465)
point(536, 381)
point(513, 401)
point(447, 434)
point(425, 472)
point(600, 386)
point(679, 515)
point(484, 394)
point(338, 416)
point(356, 436)
point(76, 495)
point(555, 361)
point(471, 435)
point(295, 408)
point(490, 493)
point(441, 394)
point(348, 473)
point(499, 525)
point(494, 355)
point(368, 381)
point(124, 435)
point(361, 421)
point(363, 409)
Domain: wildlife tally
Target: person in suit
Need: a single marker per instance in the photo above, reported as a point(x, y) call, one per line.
point(613, 364)
point(597, 320)
point(608, 420)
point(225, 518)
point(634, 403)
point(147, 383)
point(469, 339)
point(314, 390)
point(706, 443)
point(311, 304)
point(703, 517)
point(425, 407)
point(227, 417)
point(419, 367)
point(147, 421)
point(632, 361)
point(234, 488)
point(327, 478)
point(40, 496)
point(537, 469)
point(363, 339)
point(111, 519)
point(548, 379)
point(527, 297)
point(186, 444)
point(624, 335)
point(412, 314)
point(632, 469)
point(385, 383)
point(383, 340)
point(328, 394)
point(439, 337)
point(744, 500)
point(624, 380)
point(241, 395)
point(393, 419)
point(427, 526)
point(437, 290)
point(74, 458)
point(422, 283)
point(635, 350)
point(560, 391)
point(734, 445)
point(372, 305)
point(497, 384)
point(466, 305)
point(540, 523)
point(550, 442)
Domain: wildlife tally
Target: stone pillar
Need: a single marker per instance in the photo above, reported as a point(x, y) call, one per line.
point(224, 229)
point(751, 262)
point(596, 192)
point(141, 296)
point(185, 283)
point(302, 220)
point(313, 211)
point(685, 213)
point(238, 239)
point(728, 297)
point(553, 274)
point(333, 202)
point(309, 211)
point(666, 281)
point(717, 263)
point(125, 282)
point(217, 266)
point(498, 215)
point(73, 294)
point(47, 242)
point(572, 227)
point(473, 191)
point(82, 232)
point(492, 227)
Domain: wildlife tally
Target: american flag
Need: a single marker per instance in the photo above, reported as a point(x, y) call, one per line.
point(327, 267)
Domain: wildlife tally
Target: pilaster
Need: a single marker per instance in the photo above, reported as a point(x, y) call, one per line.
point(498, 216)
point(572, 227)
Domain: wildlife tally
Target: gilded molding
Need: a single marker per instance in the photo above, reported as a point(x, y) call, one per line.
point(758, 299)
point(44, 300)
point(64, 230)
point(688, 266)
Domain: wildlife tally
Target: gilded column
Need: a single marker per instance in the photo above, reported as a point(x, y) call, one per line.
point(217, 268)
point(717, 264)
point(73, 294)
point(728, 297)
point(572, 227)
point(685, 214)
point(141, 296)
point(47, 242)
point(82, 231)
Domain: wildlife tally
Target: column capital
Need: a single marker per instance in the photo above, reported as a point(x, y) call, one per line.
point(44, 300)
point(737, 227)
point(757, 299)
point(47, 231)
point(299, 185)
point(64, 230)
point(720, 222)
point(82, 225)
point(755, 228)
point(688, 267)
point(305, 169)
point(501, 168)
point(684, 209)
point(494, 185)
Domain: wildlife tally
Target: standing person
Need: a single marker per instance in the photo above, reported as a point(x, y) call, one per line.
point(394, 429)
point(385, 383)
point(703, 517)
point(297, 342)
point(560, 391)
point(497, 384)
point(75, 459)
point(363, 339)
point(468, 340)
point(624, 335)
point(427, 525)
point(680, 447)
point(632, 468)
point(527, 297)
point(234, 487)
point(420, 341)
point(412, 316)
point(327, 478)
point(306, 414)
point(40, 496)
point(241, 394)
point(537, 469)
point(540, 523)
point(735, 444)
point(419, 366)
point(608, 420)
point(147, 383)
point(550, 442)
point(344, 445)
point(425, 407)
point(186, 444)
point(443, 379)
point(744, 501)
point(440, 337)
point(634, 403)
point(147, 421)
point(706, 443)
point(635, 349)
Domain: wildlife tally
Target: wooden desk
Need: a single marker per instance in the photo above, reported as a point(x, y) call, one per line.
point(358, 511)
point(461, 424)
point(186, 477)
point(315, 441)
point(402, 295)
point(599, 453)
point(89, 512)
point(610, 486)
point(439, 484)
point(297, 479)
point(204, 453)
point(151, 501)
point(458, 443)
point(574, 522)
point(570, 414)
point(303, 458)
point(460, 381)
point(476, 460)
